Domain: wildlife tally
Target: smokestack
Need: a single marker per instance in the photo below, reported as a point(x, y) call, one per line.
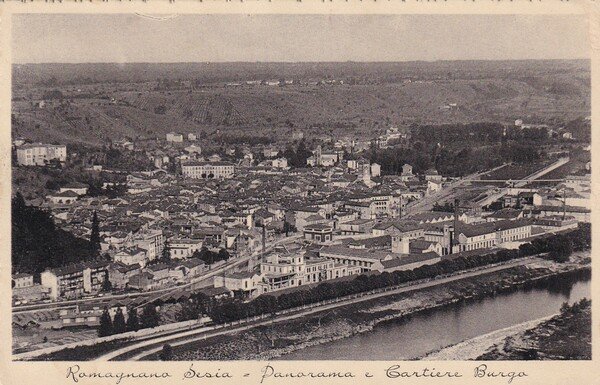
point(400, 208)
point(264, 240)
point(454, 238)
point(564, 204)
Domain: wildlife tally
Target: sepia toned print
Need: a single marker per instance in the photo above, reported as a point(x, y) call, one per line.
point(185, 191)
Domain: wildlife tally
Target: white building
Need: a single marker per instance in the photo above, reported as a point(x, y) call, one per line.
point(208, 170)
point(153, 241)
point(77, 188)
point(279, 163)
point(375, 170)
point(132, 256)
point(193, 149)
point(184, 248)
point(38, 154)
point(175, 137)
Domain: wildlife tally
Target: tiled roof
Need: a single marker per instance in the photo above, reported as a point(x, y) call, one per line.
point(408, 259)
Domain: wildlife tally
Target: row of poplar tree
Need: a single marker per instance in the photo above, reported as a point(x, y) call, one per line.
point(117, 324)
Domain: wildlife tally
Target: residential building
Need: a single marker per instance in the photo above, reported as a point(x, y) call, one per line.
point(407, 173)
point(38, 154)
point(243, 284)
point(132, 256)
point(375, 170)
point(357, 226)
point(194, 267)
point(304, 216)
point(22, 280)
point(77, 188)
point(183, 248)
point(153, 241)
point(119, 274)
point(175, 137)
point(319, 232)
point(193, 149)
point(160, 272)
point(279, 163)
point(63, 198)
point(143, 281)
point(433, 176)
point(76, 280)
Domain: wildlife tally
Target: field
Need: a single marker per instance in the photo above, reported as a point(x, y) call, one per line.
point(514, 171)
point(99, 102)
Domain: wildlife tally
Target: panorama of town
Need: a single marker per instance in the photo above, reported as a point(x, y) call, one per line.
point(198, 243)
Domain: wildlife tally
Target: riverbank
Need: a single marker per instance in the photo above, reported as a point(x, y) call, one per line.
point(278, 340)
point(566, 336)
point(475, 347)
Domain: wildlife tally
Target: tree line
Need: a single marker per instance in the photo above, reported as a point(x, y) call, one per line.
point(199, 304)
point(117, 324)
point(296, 157)
point(232, 310)
point(191, 308)
point(209, 257)
point(452, 160)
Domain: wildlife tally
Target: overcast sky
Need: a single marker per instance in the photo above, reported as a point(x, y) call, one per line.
point(120, 38)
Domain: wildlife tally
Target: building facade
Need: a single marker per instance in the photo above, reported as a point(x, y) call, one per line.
point(39, 154)
point(208, 170)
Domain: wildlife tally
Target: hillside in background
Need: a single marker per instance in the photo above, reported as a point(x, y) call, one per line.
point(94, 102)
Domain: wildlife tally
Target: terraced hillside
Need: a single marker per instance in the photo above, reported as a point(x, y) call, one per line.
point(378, 99)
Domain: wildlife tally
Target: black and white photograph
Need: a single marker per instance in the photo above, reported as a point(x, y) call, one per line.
point(300, 187)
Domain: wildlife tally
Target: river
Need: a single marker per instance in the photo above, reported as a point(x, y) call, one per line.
point(425, 332)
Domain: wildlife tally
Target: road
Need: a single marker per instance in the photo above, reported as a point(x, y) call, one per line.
point(443, 195)
point(153, 293)
point(151, 346)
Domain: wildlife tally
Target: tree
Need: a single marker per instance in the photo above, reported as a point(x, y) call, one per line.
point(167, 352)
point(95, 235)
point(561, 248)
point(223, 255)
point(106, 326)
point(37, 243)
point(106, 285)
point(18, 202)
point(189, 311)
point(166, 252)
point(133, 323)
point(288, 228)
point(119, 325)
point(150, 317)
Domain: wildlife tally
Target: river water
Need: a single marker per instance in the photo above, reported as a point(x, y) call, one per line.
point(423, 333)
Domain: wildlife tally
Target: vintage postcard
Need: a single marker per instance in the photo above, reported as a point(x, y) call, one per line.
point(298, 193)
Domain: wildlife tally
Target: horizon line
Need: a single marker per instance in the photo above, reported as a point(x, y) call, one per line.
point(308, 61)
